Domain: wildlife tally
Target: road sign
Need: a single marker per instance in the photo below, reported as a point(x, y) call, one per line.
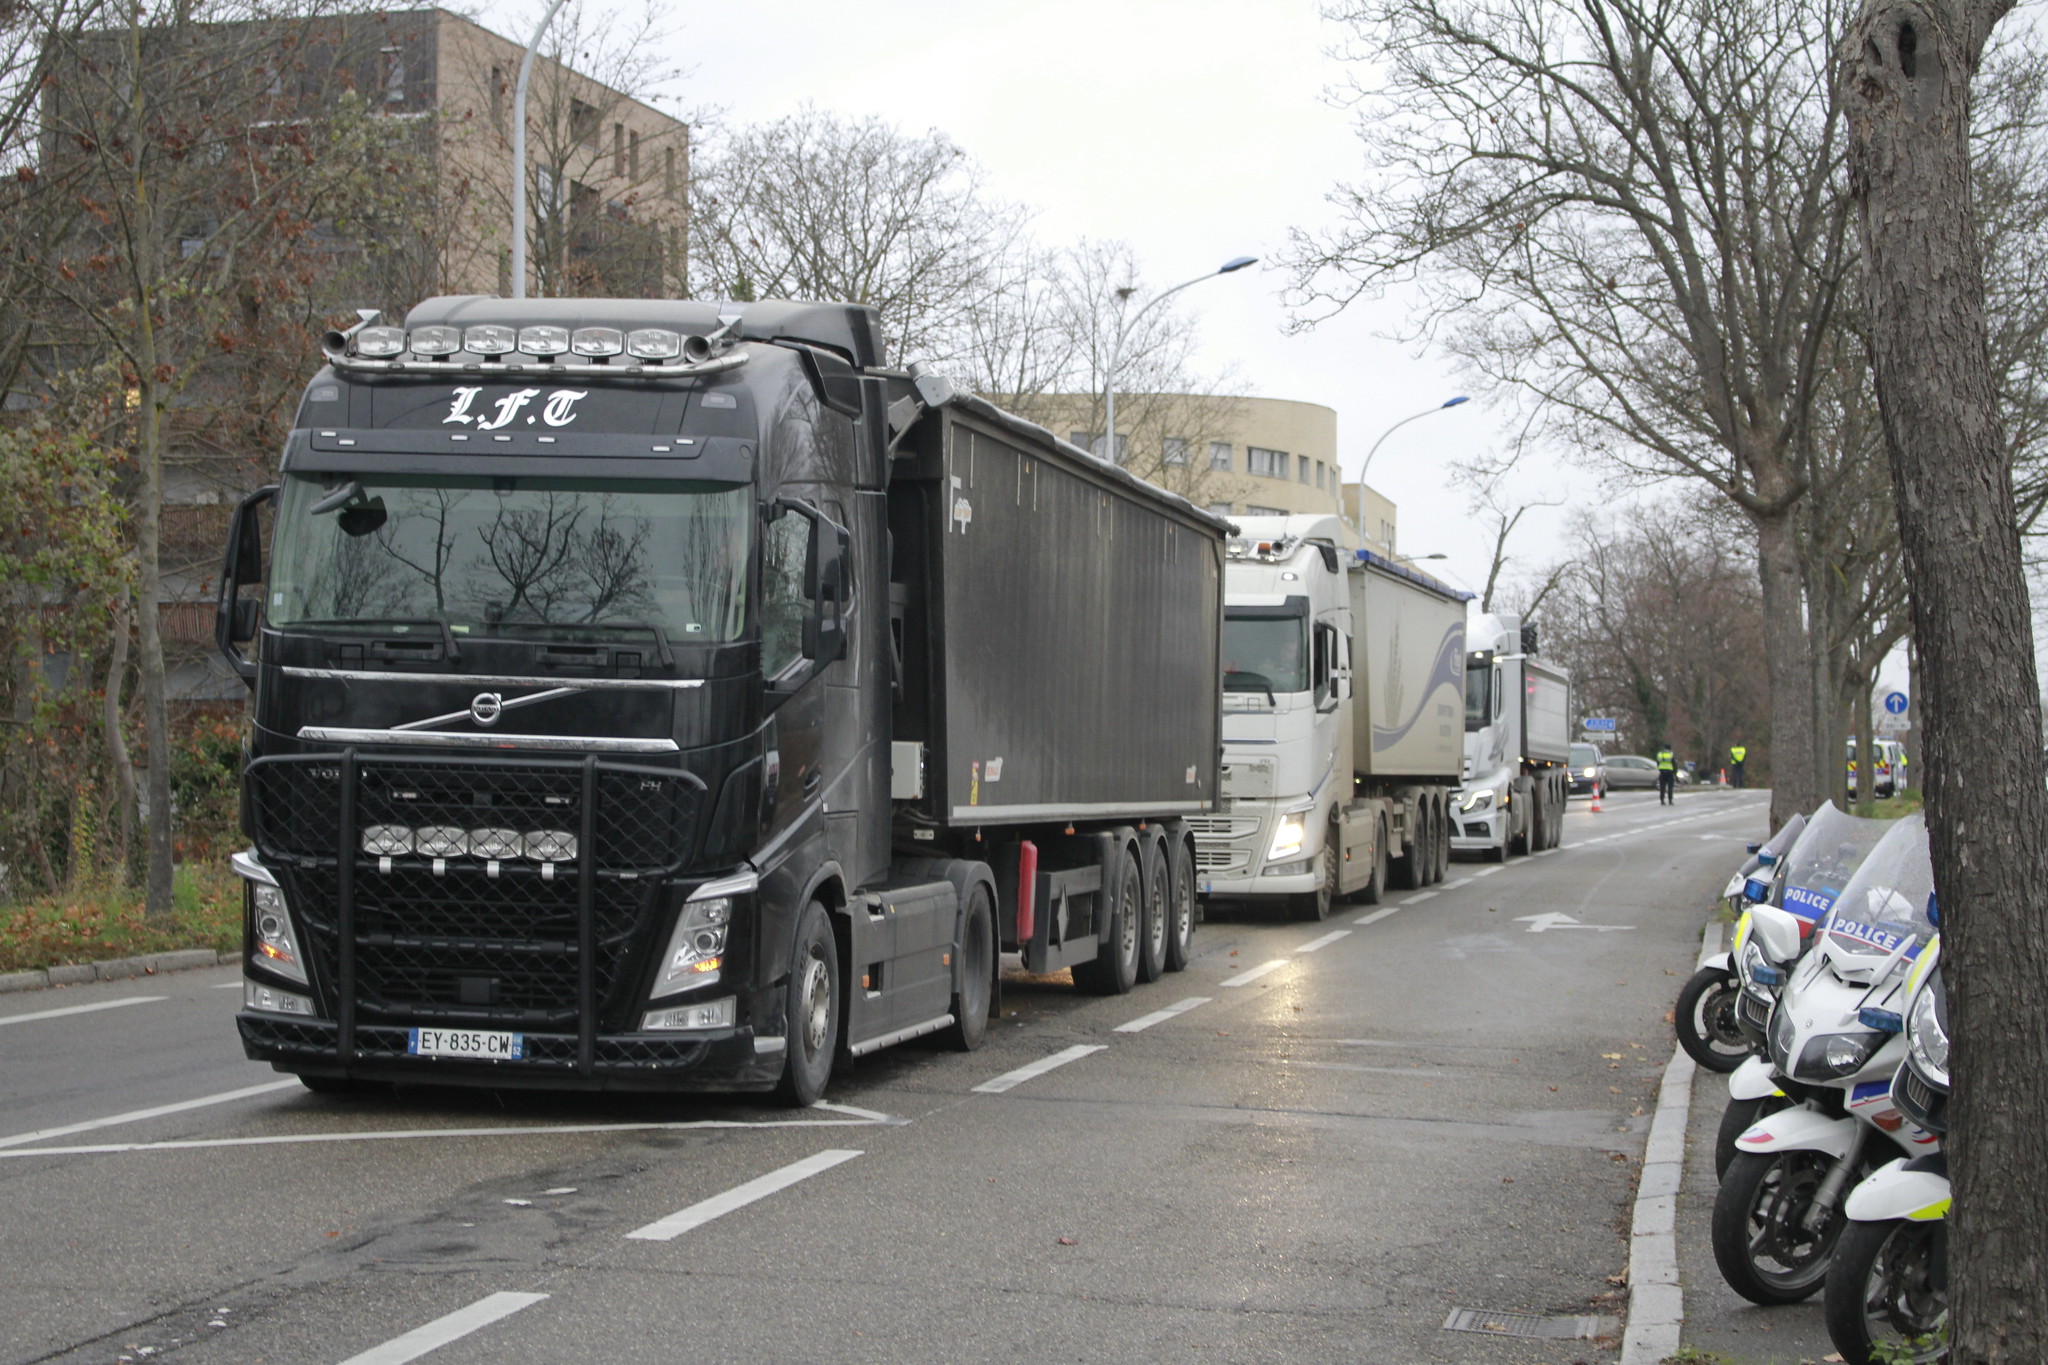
point(1896, 703)
point(1893, 725)
point(1605, 723)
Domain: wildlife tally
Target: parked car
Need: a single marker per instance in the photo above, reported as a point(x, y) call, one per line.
point(1891, 766)
point(1631, 770)
point(1589, 770)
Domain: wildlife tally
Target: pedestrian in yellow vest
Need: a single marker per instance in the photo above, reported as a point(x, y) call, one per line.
point(1738, 752)
point(1667, 776)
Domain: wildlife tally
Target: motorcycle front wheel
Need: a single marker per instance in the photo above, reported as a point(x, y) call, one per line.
point(1705, 1020)
point(1738, 1118)
point(1761, 1241)
point(1882, 1295)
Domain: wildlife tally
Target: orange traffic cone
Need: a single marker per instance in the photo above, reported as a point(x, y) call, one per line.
point(1596, 798)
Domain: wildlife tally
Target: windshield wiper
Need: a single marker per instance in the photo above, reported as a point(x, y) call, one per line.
point(1259, 683)
point(668, 660)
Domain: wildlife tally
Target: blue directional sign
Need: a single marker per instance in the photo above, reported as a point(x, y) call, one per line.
point(1896, 703)
point(1599, 723)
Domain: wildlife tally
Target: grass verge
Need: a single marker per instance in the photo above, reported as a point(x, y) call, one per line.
point(92, 924)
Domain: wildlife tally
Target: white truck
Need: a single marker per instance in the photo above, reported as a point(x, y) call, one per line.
point(1343, 677)
point(1518, 743)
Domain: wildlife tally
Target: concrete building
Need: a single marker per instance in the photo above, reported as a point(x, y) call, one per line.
point(1236, 456)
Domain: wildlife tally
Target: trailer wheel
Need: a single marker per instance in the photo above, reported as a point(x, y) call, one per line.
point(977, 973)
point(1411, 869)
point(812, 1010)
point(1180, 903)
point(1443, 839)
point(1114, 969)
point(1152, 943)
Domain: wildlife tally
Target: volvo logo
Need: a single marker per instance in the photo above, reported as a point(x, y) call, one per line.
point(485, 707)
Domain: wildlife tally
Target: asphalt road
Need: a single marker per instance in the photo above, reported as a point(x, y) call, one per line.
point(1318, 1143)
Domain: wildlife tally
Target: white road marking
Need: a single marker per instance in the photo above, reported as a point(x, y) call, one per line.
point(402, 1134)
point(441, 1331)
point(1554, 920)
point(1252, 974)
point(1452, 886)
point(1325, 941)
point(79, 1009)
point(1419, 896)
point(1145, 1021)
point(1545, 852)
point(1376, 916)
point(229, 986)
point(1485, 872)
point(1010, 1080)
point(697, 1215)
point(138, 1115)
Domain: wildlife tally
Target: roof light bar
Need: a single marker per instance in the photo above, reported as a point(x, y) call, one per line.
point(436, 340)
point(490, 339)
point(544, 340)
point(597, 341)
point(654, 343)
point(380, 341)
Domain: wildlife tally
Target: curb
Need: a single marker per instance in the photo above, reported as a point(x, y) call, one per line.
point(1656, 1301)
point(114, 969)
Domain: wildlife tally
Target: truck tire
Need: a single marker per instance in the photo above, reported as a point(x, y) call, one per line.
point(1181, 907)
point(1152, 938)
point(1114, 969)
point(1316, 904)
point(977, 973)
point(1443, 839)
point(1410, 871)
point(1525, 843)
point(811, 1007)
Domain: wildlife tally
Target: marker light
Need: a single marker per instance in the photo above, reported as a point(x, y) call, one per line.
point(255, 997)
point(710, 1014)
point(597, 341)
point(544, 340)
point(654, 343)
point(436, 340)
point(380, 341)
point(489, 339)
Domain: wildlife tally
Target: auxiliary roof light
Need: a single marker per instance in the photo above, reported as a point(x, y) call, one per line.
point(544, 340)
point(597, 341)
point(490, 339)
point(654, 343)
point(436, 340)
point(380, 341)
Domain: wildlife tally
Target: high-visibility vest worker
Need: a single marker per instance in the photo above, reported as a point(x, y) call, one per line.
point(1666, 762)
point(1738, 752)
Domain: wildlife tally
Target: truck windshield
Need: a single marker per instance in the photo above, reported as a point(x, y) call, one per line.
point(512, 555)
point(1478, 696)
point(1267, 651)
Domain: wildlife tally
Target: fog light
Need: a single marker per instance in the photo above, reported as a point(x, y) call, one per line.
point(551, 846)
point(260, 997)
point(441, 841)
point(387, 841)
point(544, 340)
point(709, 1014)
point(597, 341)
point(436, 340)
point(380, 341)
point(654, 343)
point(495, 843)
point(490, 339)
point(1292, 869)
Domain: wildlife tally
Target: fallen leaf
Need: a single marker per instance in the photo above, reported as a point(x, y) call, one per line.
point(1670, 1016)
point(1553, 1089)
point(1233, 952)
point(1066, 1241)
point(1617, 1279)
point(1612, 1056)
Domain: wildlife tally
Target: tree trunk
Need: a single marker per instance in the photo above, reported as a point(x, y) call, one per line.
point(1906, 79)
point(1787, 665)
point(117, 742)
point(1866, 743)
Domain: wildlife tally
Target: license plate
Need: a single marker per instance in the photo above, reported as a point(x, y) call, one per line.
point(1207, 887)
point(467, 1042)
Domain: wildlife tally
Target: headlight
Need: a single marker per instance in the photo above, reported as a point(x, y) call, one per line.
point(1479, 800)
point(1927, 1039)
point(1759, 977)
point(1831, 1056)
point(1587, 773)
point(1289, 837)
point(275, 940)
point(697, 948)
point(1782, 1033)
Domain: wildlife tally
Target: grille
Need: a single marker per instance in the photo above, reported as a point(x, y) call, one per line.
point(1923, 1104)
point(1220, 859)
point(465, 937)
point(284, 1035)
point(1755, 1013)
point(1222, 826)
point(1477, 830)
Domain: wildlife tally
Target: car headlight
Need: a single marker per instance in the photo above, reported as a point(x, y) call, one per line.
point(1587, 773)
point(1783, 1031)
point(1830, 1056)
point(696, 950)
point(1289, 836)
point(1927, 1039)
point(1479, 800)
point(274, 938)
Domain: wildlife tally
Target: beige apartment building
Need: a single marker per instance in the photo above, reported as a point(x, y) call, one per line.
point(1236, 456)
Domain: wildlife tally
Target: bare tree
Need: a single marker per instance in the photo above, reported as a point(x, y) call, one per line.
point(819, 206)
point(1907, 70)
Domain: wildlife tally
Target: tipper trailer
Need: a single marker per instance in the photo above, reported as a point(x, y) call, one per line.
point(1518, 744)
point(650, 698)
point(1343, 685)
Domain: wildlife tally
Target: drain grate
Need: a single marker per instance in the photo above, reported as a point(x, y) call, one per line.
point(1499, 1324)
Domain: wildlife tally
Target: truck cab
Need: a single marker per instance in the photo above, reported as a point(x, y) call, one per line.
point(1517, 744)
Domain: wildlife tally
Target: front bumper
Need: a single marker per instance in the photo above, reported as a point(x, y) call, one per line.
point(721, 1059)
point(1478, 830)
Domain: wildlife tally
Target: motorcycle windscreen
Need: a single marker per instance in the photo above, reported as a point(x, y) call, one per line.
point(1885, 904)
point(1827, 854)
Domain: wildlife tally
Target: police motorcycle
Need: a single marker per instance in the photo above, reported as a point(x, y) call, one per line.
point(1887, 1286)
point(1816, 867)
point(1835, 1039)
point(1705, 1014)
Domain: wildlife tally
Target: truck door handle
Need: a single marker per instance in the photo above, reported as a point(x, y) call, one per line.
point(812, 780)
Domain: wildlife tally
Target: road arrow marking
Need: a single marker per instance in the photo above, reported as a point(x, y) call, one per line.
point(1553, 920)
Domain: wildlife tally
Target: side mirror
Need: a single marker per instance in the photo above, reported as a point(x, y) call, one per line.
point(235, 618)
point(1775, 931)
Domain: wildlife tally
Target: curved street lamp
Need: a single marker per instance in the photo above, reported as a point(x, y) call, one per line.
point(1116, 341)
point(519, 153)
point(1358, 511)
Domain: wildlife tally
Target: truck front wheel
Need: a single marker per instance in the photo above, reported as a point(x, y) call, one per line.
point(977, 972)
point(812, 1011)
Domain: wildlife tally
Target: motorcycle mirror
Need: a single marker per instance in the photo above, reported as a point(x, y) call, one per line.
point(1775, 931)
point(1753, 848)
point(1933, 913)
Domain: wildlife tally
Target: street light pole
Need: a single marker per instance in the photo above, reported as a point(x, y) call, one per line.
point(1116, 341)
point(1358, 511)
point(519, 153)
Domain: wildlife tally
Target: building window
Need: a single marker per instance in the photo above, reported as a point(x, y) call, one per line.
point(1387, 534)
point(498, 98)
point(1302, 472)
point(1271, 464)
point(1319, 473)
point(633, 156)
point(1219, 455)
point(1254, 511)
point(1176, 451)
point(1091, 441)
point(619, 151)
point(394, 75)
point(670, 184)
point(1219, 509)
point(583, 121)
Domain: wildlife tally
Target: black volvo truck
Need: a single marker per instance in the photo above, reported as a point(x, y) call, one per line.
point(655, 696)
